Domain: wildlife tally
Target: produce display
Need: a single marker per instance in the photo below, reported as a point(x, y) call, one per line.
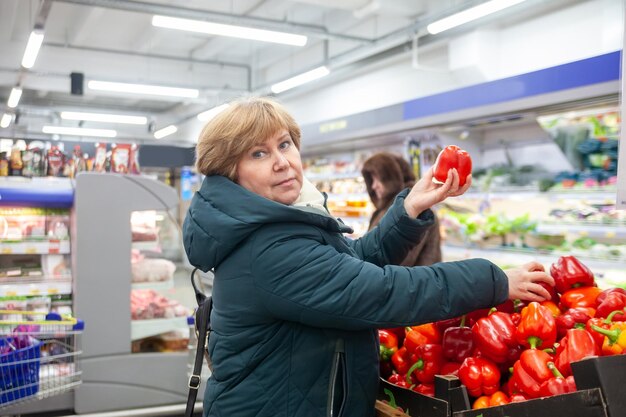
point(515, 351)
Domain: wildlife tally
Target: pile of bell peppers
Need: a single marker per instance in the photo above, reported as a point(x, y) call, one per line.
point(517, 350)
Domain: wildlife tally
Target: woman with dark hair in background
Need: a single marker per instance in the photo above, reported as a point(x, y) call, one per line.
point(386, 175)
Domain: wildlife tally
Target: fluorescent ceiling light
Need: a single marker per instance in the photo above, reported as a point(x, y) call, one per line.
point(5, 121)
point(205, 116)
point(79, 131)
point(103, 117)
point(470, 14)
point(229, 30)
point(14, 97)
point(166, 131)
point(300, 79)
point(143, 89)
point(32, 48)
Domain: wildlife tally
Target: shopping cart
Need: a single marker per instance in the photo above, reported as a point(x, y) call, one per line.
point(39, 355)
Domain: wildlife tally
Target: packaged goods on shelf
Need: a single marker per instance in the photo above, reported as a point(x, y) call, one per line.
point(149, 304)
point(152, 270)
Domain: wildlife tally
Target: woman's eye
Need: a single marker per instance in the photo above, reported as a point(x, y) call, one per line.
point(258, 154)
point(286, 144)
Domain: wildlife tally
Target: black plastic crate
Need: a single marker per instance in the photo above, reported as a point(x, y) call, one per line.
point(414, 403)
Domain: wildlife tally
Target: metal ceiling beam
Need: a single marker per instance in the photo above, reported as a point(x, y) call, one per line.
point(198, 14)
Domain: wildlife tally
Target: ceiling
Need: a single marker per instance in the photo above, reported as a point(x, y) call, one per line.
point(114, 40)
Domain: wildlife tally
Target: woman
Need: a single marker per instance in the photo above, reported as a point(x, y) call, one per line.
point(385, 175)
point(295, 304)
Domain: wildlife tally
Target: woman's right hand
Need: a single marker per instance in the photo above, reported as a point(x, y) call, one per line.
point(524, 282)
point(425, 193)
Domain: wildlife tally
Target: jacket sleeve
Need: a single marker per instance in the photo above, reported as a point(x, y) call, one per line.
point(391, 240)
point(301, 279)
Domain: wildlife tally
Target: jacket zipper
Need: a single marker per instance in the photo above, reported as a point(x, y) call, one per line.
point(338, 370)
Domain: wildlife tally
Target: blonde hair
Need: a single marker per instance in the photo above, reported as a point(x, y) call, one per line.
point(242, 125)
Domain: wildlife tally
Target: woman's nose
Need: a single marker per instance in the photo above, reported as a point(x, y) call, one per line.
point(280, 161)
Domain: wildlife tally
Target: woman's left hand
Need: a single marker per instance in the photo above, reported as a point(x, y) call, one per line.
point(426, 194)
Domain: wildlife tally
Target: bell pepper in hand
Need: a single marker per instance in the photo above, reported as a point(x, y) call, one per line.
point(495, 337)
point(493, 400)
point(568, 273)
point(480, 376)
point(537, 327)
point(388, 344)
point(609, 301)
point(558, 384)
point(580, 297)
point(530, 371)
point(572, 318)
point(458, 342)
point(452, 157)
point(576, 345)
point(615, 338)
point(428, 362)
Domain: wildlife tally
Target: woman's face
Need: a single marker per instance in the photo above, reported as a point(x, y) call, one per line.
point(378, 187)
point(272, 169)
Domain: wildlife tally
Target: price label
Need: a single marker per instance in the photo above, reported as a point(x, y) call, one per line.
point(610, 234)
point(7, 251)
point(583, 233)
point(53, 290)
point(35, 291)
point(53, 247)
point(30, 250)
point(11, 293)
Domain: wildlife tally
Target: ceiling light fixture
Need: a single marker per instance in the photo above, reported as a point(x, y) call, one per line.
point(166, 131)
point(242, 32)
point(143, 89)
point(32, 48)
point(79, 131)
point(300, 79)
point(14, 97)
point(205, 116)
point(470, 14)
point(104, 117)
point(5, 121)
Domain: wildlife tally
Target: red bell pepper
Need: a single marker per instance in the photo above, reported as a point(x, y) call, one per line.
point(425, 389)
point(558, 384)
point(554, 296)
point(580, 297)
point(428, 362)
point(399, 332)
point(572, 318)
point(576, 345)
point(615, 338)
point(442, 325)
point(480, 376)
point(537, 327)
point(413, 339)
point(388, 344)
point(452, 157)
point(450, 368)
point(530, 371)
point(458, 342)
point(554, 309)
point(517, 398)
point(568, 273)
point(399, 380)
point(495, 337)
point(609, 301)
point(401, 361)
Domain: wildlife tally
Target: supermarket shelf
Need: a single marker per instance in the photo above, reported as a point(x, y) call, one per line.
point(153, 246)
point(348, 197)
point(606, 197)
point(333, 176)
point(140, 329)
point(46, 247)
point(37, 192)
point(517, 257)
point(154, 285)
point(29, 286)
point(603, 231)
